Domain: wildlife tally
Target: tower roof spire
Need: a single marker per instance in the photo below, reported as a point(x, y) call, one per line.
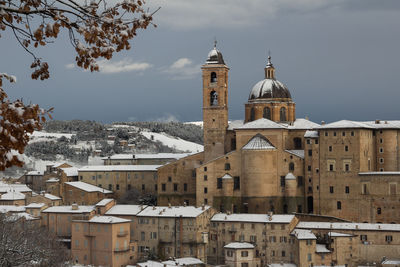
point(269, 63)
point(269, 68)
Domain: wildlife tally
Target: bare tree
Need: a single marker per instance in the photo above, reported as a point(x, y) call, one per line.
point(22, 243)
point(96, 29)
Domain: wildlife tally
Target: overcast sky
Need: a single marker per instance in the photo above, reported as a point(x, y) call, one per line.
point(340, 59)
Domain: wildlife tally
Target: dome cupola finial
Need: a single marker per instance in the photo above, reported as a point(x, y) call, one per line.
point(215, 56)
point(269, 69)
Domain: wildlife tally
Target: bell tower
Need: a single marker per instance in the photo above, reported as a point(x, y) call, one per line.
point(215, 104)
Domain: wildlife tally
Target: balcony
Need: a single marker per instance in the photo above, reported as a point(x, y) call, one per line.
point(232, 230)
point(122, 233)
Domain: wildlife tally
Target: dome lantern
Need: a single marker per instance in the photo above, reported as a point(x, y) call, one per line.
point(269, 69)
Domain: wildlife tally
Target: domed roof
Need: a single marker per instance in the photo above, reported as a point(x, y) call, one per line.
point(215, 56)
point(269, 88)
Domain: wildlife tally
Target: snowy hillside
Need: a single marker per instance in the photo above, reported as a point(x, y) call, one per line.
point(173, 142)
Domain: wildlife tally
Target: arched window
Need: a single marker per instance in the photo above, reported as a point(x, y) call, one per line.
point(267, 113)
point(291, 166)
point(252, 114)
point(297, 143)
point(283, 114)
point(213, 77)
point(213, 98)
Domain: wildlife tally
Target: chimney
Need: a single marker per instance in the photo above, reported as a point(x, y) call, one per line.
point(377, 121)
point(184, 203)
point(323, 123)
point(169, 205)
point(203, 207)
point(154, 207)
point(357, 226)
point(74, 206)
point(307, 118)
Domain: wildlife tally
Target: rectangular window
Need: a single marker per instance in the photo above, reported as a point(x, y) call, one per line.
point(309, 258)
point(347, 190)
point(308, 141)
point(364, 189)
point(185, 187)
point(310, 152)
point(389, 238)
point(331, 167)
point(316, 141)
point(381, 141)
point(330, 148)
point(155, 187)
point(129, 187)
point(175, 187)
point(331, 189)
point(346, 167)
point(346, 148)
point(236, 183)
point(169, 179)
point(334, 133)
point(352, 133)
point(363, 237)
point(245, 253)
point(339, 205)
point(110, 187)
point(205, 190)
point(194, 174)
point(343, 133)
point(282, 181)
point(205, 178)
point(309, 168)
point(299, 180)
point(117, 186)
point(205, 169)
point(163, 187)
point(326, 134)
point(219, 183)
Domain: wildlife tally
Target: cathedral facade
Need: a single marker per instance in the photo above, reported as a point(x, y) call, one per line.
point(274, 162)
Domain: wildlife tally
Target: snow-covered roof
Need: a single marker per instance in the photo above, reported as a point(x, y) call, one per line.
point(71, 171)
point(297, 152)
point(147, 156)
point(183, 261)
point(391, 261)
point(88, 187)
point(35, 173)
point(4, 187)
point(290, 176)
point(173, 211)
point(226, 176)
point(255, 218)
point(349, 226)
point(107, 219)
point(12, 196)
point(150, 264)
point(303, 234)
point(258, 142)
point(110, 168)
point(53, 180)
point(321, 248)
point(235, 124)
point(336, 234)
point(282, 265)
point(379, 173)
point(303, 124)
point(68, 209)
point(104, 202)
point(51, 197)
point(15, 216)
point(345, 124)
point(11, 208)
point(384, 124)
point(260, 124)
point(35, 205)
point(311, 134)
point(125, 210)
point(239, 245)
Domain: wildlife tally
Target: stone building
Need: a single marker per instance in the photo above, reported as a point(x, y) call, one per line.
point(173, 231)
point(273, 161)
point(121, 178)
point(102, 241)
point(143, 159)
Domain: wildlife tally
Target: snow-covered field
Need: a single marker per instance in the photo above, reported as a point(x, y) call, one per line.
point(198, 123)
point(174, 142)
point(38, 136)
